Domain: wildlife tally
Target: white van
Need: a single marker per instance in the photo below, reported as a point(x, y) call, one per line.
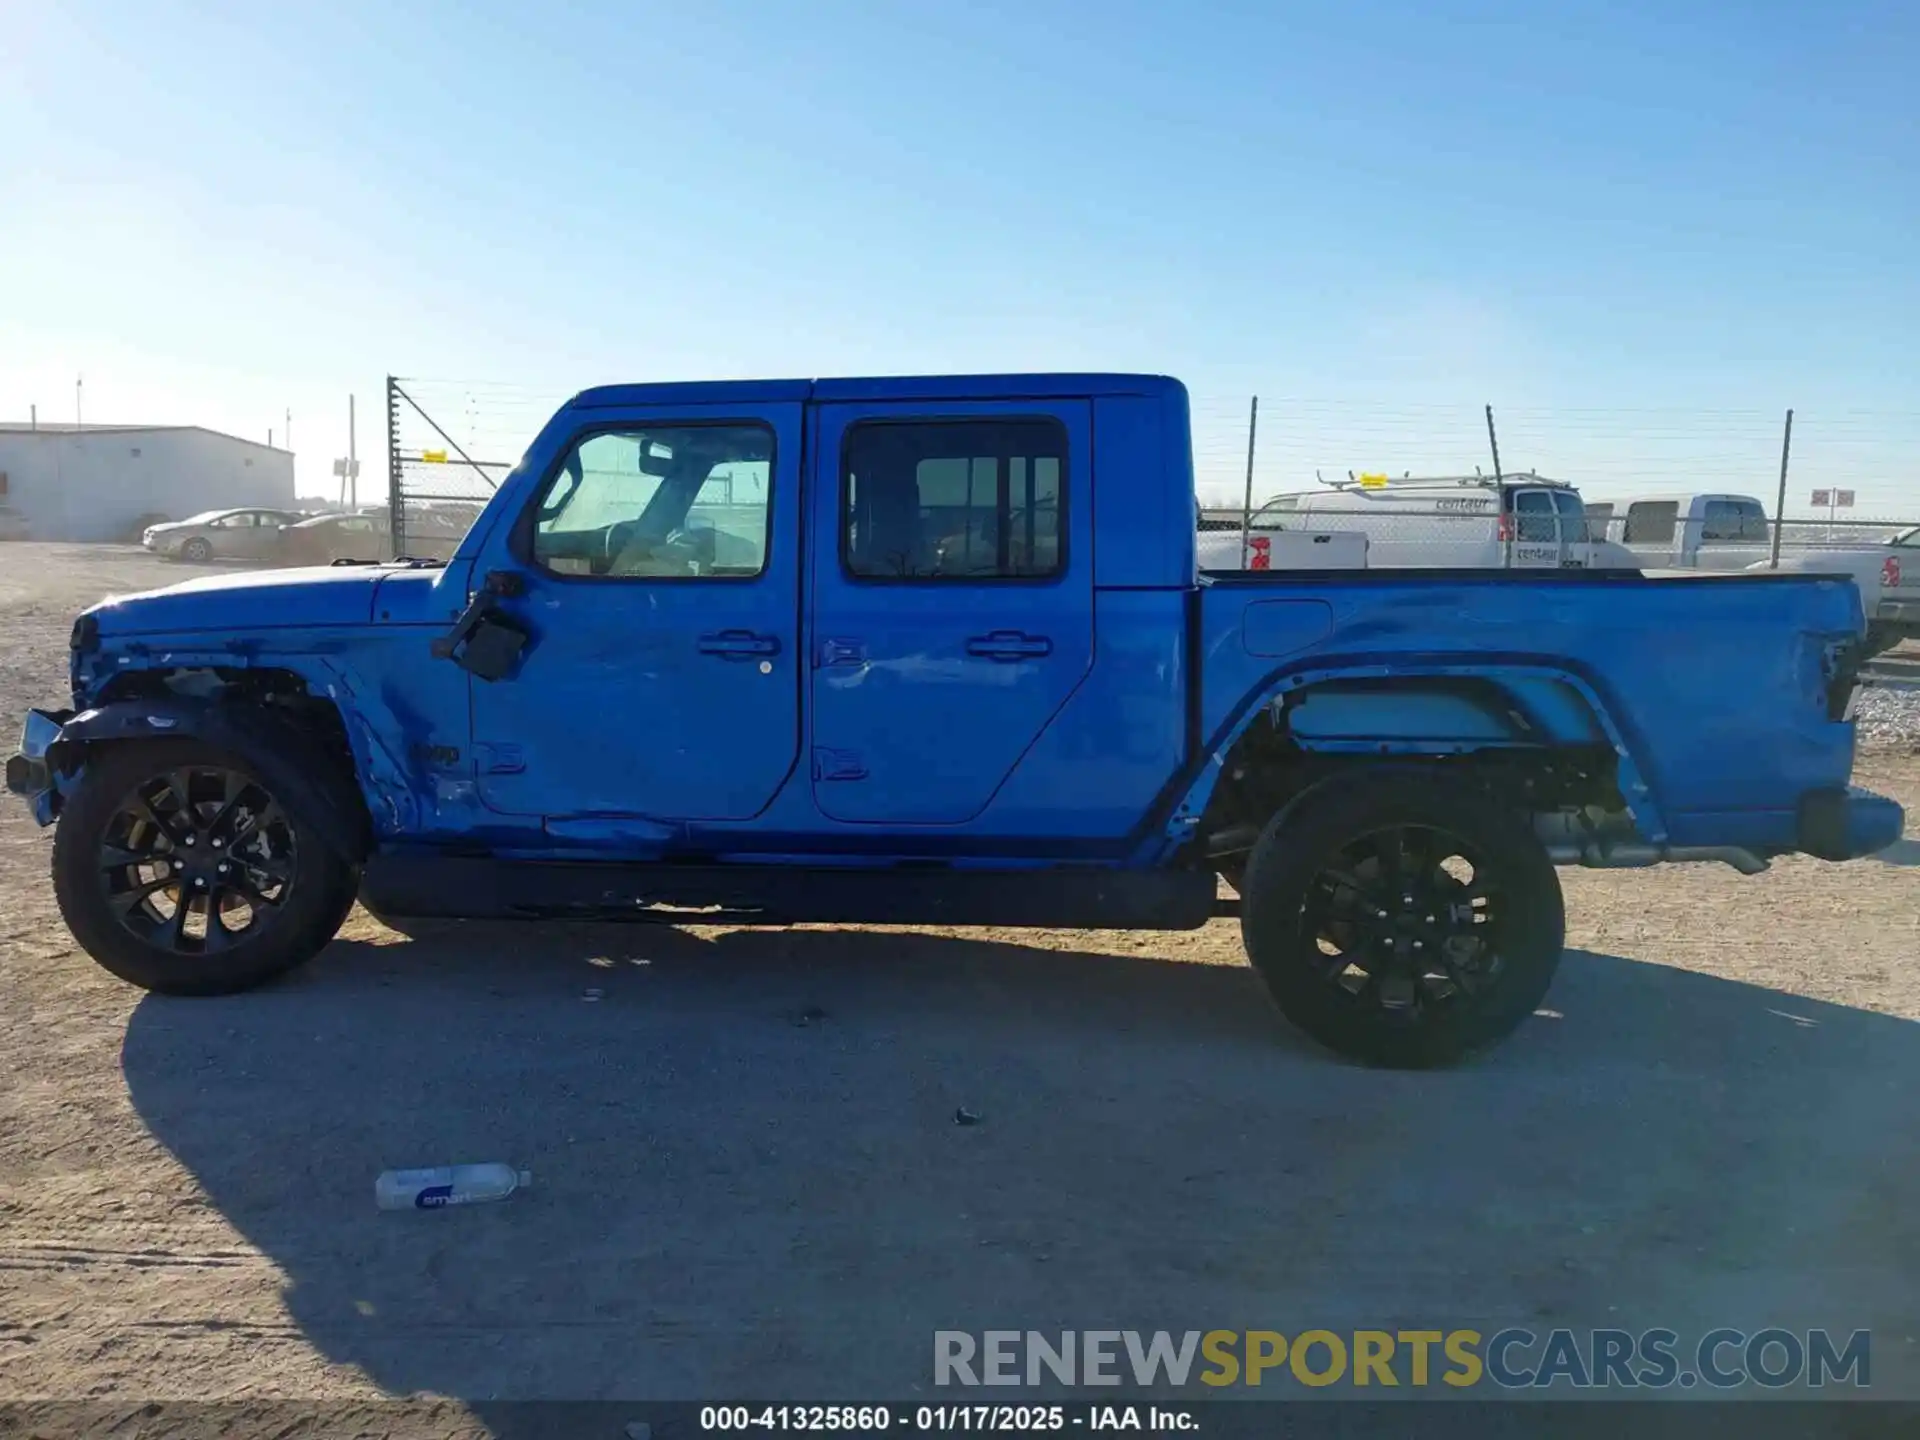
point(1468, 522)
point(1685, 531)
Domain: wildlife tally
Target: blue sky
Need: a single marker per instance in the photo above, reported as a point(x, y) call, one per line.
point(1640, 231)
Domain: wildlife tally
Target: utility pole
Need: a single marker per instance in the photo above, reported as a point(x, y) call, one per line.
point(1780, 505)
point(1494, 441)
point(77, 421)
point(289, 430)
point(353, 460)
point(33, 417)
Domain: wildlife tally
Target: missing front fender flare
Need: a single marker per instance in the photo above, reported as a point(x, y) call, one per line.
point(296, 768)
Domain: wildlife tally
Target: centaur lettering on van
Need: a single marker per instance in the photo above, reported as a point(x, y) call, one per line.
point(1469, 522)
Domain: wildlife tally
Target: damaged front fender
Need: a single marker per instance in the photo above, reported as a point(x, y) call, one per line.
point(55, 745)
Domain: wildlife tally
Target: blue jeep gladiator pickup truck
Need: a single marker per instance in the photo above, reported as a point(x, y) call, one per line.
point(931, 651)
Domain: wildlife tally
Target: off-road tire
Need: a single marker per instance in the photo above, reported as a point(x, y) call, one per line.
point(1309, 837)
point(319, 892)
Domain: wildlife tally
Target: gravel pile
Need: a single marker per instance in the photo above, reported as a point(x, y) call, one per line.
point(1888, 718)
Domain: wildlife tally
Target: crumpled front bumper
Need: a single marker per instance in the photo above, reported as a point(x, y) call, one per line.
point(1848, 823)
point(30, 771)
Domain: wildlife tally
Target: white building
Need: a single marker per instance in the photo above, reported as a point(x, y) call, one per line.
point(105, 482)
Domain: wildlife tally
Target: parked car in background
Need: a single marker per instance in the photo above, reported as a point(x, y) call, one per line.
point(13, 525)
point(137, 531)
point(220, 534)
point(325, 538)
point(434, 531)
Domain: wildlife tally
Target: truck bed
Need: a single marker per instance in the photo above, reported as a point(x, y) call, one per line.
point(1714, 689)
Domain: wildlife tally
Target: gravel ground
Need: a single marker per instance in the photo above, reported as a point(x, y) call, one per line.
point(749, 1182)
point(1889, 717)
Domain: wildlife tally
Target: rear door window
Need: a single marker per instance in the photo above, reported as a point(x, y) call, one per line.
point(1533, 512)
point(973, 500)
point(1735, 521)
point(1651, 522)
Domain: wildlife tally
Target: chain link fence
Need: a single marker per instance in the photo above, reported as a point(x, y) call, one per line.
point(449, 445)
point(1695, 487)
point(1839, 466)
point(451, 442)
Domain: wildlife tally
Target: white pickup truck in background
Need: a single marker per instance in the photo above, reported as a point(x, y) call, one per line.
point(1684, 532)
point(1726, 532)
point(1270, 549)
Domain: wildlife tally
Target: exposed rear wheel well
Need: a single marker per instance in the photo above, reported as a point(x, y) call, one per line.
point(1503, 755)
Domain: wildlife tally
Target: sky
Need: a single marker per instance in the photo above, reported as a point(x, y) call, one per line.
point(1640, 231)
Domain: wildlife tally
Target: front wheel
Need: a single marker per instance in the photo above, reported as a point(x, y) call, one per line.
point(196, 551)
point(179, 871)
point(1402, 918)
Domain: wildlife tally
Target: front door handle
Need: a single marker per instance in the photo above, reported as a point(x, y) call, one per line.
point(1009, 645)
point(739, 644)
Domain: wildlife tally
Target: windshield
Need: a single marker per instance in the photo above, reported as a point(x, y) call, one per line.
point(1269, 516)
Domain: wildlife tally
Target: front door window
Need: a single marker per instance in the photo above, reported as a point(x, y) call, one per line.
point(659, 503)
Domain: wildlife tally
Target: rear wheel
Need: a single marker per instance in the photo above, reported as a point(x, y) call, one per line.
point(178, 870)
point(1401, 918)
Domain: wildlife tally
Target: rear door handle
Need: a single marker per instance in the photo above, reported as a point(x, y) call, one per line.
point(1009, 645)
point(739, 644)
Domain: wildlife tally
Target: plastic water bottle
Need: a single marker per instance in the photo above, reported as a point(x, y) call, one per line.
point(446, 1185)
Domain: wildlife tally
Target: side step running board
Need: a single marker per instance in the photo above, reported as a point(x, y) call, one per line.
point(425, 886)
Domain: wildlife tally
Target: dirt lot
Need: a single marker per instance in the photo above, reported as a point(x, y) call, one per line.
point(749, 1181)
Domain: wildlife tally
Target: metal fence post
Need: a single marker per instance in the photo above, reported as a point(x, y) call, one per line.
point(396, 503)
point(1246, 504)
point(1780, 505)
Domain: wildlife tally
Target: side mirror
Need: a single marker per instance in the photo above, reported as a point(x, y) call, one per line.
point(483, 641)
point(493, 648)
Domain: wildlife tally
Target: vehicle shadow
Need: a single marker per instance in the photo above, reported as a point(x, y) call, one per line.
point(754, 1176)
point(1901, 852)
